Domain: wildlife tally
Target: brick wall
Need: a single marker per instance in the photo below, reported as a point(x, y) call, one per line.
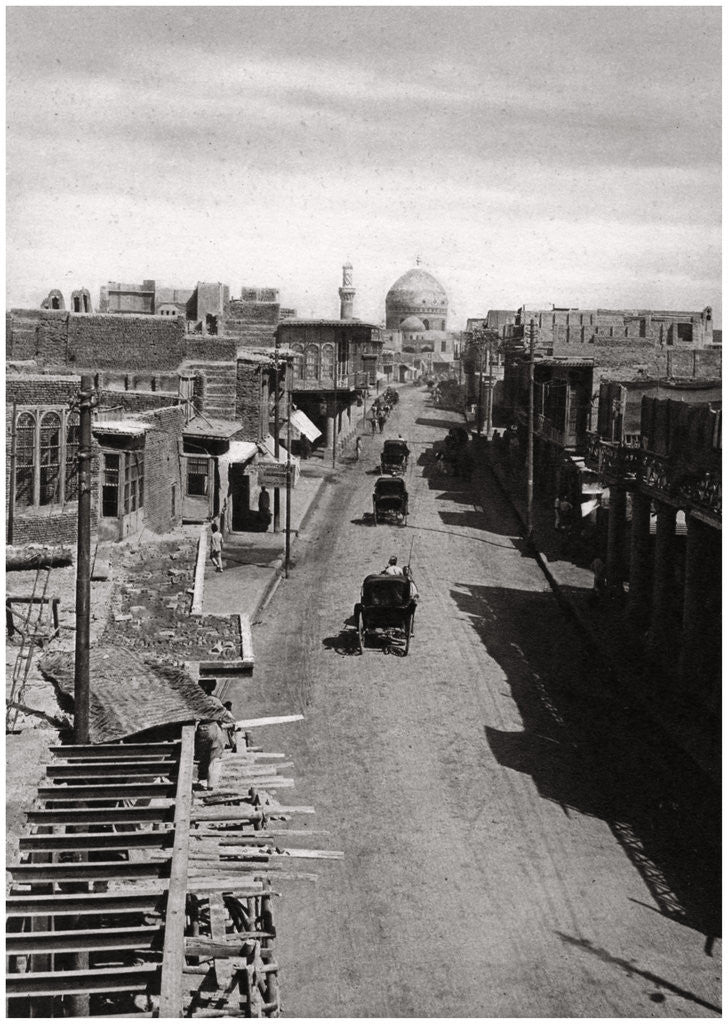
point(162, 469)
point(41, 390)
point(249, 408)
point(253, 312)
point(97, 341)
point(136, 401)
point(210, 348)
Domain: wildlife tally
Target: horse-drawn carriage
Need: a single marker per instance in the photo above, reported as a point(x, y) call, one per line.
point(393, 459)
point(386, 609)
point(390, 500)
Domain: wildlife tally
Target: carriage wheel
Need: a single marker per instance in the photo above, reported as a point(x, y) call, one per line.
point(407, 630)
point(359, 618)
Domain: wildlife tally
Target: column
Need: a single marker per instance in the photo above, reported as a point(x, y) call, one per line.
point(662, 579)
point(330, 431)
point(701, 634)
point(615, 533)
point(640, 562)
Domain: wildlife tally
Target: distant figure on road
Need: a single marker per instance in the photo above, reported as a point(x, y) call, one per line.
point(382, 419)
point(392, 569)
point(216, 547)
point(373, 422)
point(357, 449)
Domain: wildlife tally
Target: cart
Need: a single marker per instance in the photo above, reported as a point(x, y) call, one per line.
point(385, 610)
point(390, 500)
point(394, 457)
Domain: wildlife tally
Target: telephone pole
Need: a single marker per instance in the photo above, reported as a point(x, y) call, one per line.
point(289, 467)
point(529, 491)
point(276, 448)
point(83, 565)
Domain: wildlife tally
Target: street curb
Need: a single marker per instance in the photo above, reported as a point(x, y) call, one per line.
point(199, 584)
point(277, 575)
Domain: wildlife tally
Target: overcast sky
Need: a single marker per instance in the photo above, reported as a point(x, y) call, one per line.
point(567, 155)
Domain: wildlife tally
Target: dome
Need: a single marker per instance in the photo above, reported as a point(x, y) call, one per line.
point(417, 294)
point(414, 287)
point(412, 323)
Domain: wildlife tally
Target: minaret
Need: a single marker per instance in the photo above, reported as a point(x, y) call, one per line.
point(347, 293)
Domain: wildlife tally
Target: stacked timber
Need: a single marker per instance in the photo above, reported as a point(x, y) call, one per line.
point(138, 894)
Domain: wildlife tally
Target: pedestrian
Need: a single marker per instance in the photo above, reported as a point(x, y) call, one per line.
point(229, 727)
point(373, 422)
point(209, 747)
point(382, 420)
point(264, 508)
point(565, 513)
point(599, 585)
point(216, 547)
point(357, 449)
point(557, 512)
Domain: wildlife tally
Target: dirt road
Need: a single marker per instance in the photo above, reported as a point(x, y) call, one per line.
point(515, 844)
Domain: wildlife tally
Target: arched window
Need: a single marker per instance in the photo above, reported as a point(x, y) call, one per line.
point(25, 459)
point(50, 458)
point(72, 438)
point(312, 362)
point(427, 324)
point(327, 361)
point(298, 361)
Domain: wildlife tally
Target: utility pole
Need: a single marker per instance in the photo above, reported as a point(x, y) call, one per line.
point(276, 449)
point(288, 476)
point(336, 402)
point(489, 401)
point(13, 456)
point(529, 492)
point(83, 565)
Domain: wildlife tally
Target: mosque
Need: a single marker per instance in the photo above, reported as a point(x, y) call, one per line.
point(416, 308)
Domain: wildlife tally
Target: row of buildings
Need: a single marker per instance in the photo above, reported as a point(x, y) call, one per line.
point(189, 387)
point(627, 424)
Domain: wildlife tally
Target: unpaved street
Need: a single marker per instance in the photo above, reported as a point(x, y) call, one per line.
point(516, 844)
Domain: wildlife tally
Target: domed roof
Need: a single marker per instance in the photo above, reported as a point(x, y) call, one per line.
point(417, 287)
point(412, 323)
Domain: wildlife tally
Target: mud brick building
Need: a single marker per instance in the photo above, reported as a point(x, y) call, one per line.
point(152, 380)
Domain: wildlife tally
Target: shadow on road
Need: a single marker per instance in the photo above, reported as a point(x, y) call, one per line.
point(630, 968)
point(345, 642)
point(588, 750)
point(441, 424)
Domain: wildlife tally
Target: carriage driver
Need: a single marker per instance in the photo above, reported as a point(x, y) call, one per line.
point(392, 569)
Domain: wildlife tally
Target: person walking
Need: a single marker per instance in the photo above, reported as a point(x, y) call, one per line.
point(264, 508)
point(357, 449)
point(373, 422)
point(382, 420)
point(209, 746)
point(216, 547)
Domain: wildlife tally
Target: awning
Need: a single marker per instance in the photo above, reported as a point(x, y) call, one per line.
point(129, 428)
point(239, 451)
point(207, 426)
point(301, 422)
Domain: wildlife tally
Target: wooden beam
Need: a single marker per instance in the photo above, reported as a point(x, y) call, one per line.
point(149, 839)
point(126, 771)
point(163, 811)
point(128, 791)
point(82, 939)
point(116, 749)
point(58, 983)
point(81, 871)
point(253, 723)
point(60, 904)
point(171, 992)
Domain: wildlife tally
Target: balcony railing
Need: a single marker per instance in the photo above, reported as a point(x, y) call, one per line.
point(667, 476)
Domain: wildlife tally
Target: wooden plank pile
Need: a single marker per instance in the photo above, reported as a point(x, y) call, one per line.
point(138, 894)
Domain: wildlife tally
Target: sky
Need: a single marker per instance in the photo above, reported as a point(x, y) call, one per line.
point(565, 155)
